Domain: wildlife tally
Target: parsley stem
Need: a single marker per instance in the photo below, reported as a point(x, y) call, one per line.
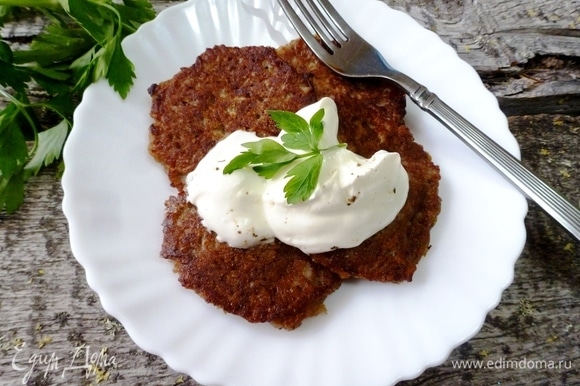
point(117, 15)
point(318, 151)
point(333, 147)
point(23, 109)
point(31, 3)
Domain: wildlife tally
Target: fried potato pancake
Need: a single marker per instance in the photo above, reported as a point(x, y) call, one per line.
point(230, 88)
point(227, 89)
point(268, 283)
point(371, 114)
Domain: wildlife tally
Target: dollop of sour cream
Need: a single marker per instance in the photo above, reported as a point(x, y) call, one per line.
point(355, 196)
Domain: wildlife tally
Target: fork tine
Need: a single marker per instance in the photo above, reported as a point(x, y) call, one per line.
point(319, 19)
point(303, 31)
point(315, 24)
point(332, 14)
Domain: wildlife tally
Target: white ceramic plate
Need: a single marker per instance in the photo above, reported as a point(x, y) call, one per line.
point(373, 334)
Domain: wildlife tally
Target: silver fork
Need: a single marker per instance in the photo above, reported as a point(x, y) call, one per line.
point(343, 50)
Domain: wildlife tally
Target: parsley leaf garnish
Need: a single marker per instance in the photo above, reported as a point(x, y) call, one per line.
point(267, 157)
point(79, 44)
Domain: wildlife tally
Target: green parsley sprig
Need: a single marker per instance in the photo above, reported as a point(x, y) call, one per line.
point(267, 157)
point(79, 44)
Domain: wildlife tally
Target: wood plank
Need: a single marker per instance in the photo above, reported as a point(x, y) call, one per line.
point(527, 52)
point(493, 35)
point(512, 45)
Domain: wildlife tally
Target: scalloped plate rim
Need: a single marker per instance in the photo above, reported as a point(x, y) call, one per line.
point(95, 277)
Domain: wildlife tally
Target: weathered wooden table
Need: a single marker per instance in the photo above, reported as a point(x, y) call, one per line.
point(527, 52)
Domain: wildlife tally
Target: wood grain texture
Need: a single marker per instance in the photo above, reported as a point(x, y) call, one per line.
point(527, 53)
point(499, 34)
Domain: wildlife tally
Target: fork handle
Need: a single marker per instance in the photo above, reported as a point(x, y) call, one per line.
point(527, 182)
